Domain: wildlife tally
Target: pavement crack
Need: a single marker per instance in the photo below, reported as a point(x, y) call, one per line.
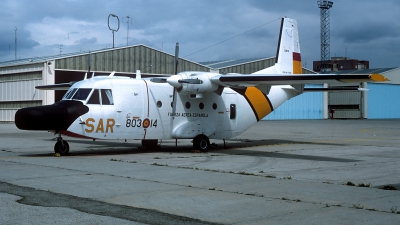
point(36, 197)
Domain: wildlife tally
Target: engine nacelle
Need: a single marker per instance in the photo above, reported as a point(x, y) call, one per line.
point(193, 83)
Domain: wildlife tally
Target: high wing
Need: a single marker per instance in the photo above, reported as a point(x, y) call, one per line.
point(246, 80)
point(56, 87)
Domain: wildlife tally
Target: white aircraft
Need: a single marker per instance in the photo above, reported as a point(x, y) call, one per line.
point(189, 105)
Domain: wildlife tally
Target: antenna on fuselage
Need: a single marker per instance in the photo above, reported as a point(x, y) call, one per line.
point(138, 75)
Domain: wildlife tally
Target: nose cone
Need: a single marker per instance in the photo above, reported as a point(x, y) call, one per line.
point(58, 116)
point(174, 81)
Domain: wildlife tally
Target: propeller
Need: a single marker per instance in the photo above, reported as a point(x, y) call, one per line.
point(175, 72)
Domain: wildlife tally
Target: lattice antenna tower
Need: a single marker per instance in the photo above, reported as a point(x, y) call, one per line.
point(325, 35)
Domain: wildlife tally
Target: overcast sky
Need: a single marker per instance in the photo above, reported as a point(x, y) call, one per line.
point(360, 29)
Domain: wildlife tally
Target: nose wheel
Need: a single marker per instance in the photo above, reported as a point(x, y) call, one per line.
point(202, 143)
point(61, 146)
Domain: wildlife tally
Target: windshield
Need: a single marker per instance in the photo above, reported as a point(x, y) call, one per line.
point(82, 94)
point(78, 94)
point(106, 97)
point(70, 93)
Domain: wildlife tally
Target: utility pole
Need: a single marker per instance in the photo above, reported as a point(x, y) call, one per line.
point(325, 35)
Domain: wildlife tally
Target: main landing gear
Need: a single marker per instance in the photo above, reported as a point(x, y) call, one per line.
point(61, 147)
point(201, 142)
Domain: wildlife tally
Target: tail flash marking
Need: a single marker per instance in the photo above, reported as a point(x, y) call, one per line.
point(297, 68)
point(258, 101)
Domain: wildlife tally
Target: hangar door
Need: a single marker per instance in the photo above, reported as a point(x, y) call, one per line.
point(347, 104)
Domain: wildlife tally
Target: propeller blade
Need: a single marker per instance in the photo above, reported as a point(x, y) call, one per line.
point(174, 91)
point(190, 81)
point(158, 80)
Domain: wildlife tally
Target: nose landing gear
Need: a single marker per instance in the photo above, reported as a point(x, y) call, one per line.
point(61, 147)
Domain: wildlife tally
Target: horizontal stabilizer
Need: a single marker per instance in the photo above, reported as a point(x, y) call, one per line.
point(334, 89)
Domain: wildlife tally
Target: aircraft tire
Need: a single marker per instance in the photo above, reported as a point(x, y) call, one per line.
point(202, 143)
point(59, 148)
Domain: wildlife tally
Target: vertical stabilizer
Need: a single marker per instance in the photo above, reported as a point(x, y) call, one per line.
point(288, 58)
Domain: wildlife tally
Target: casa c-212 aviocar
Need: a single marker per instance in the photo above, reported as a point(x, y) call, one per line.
point(188, 105)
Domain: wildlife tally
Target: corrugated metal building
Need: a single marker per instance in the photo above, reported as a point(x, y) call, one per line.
point(18, 78)
point(379, 102)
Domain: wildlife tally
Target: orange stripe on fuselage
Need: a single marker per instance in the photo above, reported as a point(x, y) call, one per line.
point(259, 102)
point(297, 69)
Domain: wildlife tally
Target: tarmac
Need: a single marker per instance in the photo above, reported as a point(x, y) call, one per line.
point(277, 172)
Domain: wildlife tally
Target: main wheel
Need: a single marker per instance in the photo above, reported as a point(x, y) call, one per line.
point(61, 147)
point(202, 143)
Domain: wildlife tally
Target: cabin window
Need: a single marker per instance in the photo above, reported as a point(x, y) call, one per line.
point(201, 105)
point(94, 99)
point(214, 106)
point(106, 97)
point(159, 104)
point(233, 111)
point(187, 105)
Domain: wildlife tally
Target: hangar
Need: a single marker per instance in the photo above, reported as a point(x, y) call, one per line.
point(18, 79)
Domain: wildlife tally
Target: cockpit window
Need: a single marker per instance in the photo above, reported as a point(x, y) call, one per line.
point(106, 97)
point(82, 94)
point(95, 98)
point(70, 93)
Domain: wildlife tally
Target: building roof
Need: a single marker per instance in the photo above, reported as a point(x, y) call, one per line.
point(42, 59)
point(228, 63)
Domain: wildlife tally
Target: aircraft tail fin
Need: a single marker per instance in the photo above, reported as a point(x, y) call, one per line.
point(288, 58)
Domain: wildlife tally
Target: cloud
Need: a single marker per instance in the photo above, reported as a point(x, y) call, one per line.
point(366, 27)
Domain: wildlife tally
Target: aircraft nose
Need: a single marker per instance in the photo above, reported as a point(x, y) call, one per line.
point(58, 116)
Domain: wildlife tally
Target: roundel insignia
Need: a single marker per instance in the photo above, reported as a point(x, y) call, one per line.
point(146, 123)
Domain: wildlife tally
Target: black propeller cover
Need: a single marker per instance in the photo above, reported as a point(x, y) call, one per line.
point(58, 116)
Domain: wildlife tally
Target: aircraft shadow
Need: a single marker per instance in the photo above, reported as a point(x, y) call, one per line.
point(233, 147)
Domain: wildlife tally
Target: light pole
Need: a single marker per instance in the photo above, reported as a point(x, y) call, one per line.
point(325, 35)
point(15, 29)
point(111, 28)
point(127, 31)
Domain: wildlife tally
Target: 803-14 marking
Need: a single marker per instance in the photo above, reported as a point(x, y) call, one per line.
point(141, 123)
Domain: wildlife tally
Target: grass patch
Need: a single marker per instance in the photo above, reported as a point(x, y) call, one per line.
point(156, 164)
point(388, 187)
point(358, 206)
point(364, 185)
point(245, 173)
